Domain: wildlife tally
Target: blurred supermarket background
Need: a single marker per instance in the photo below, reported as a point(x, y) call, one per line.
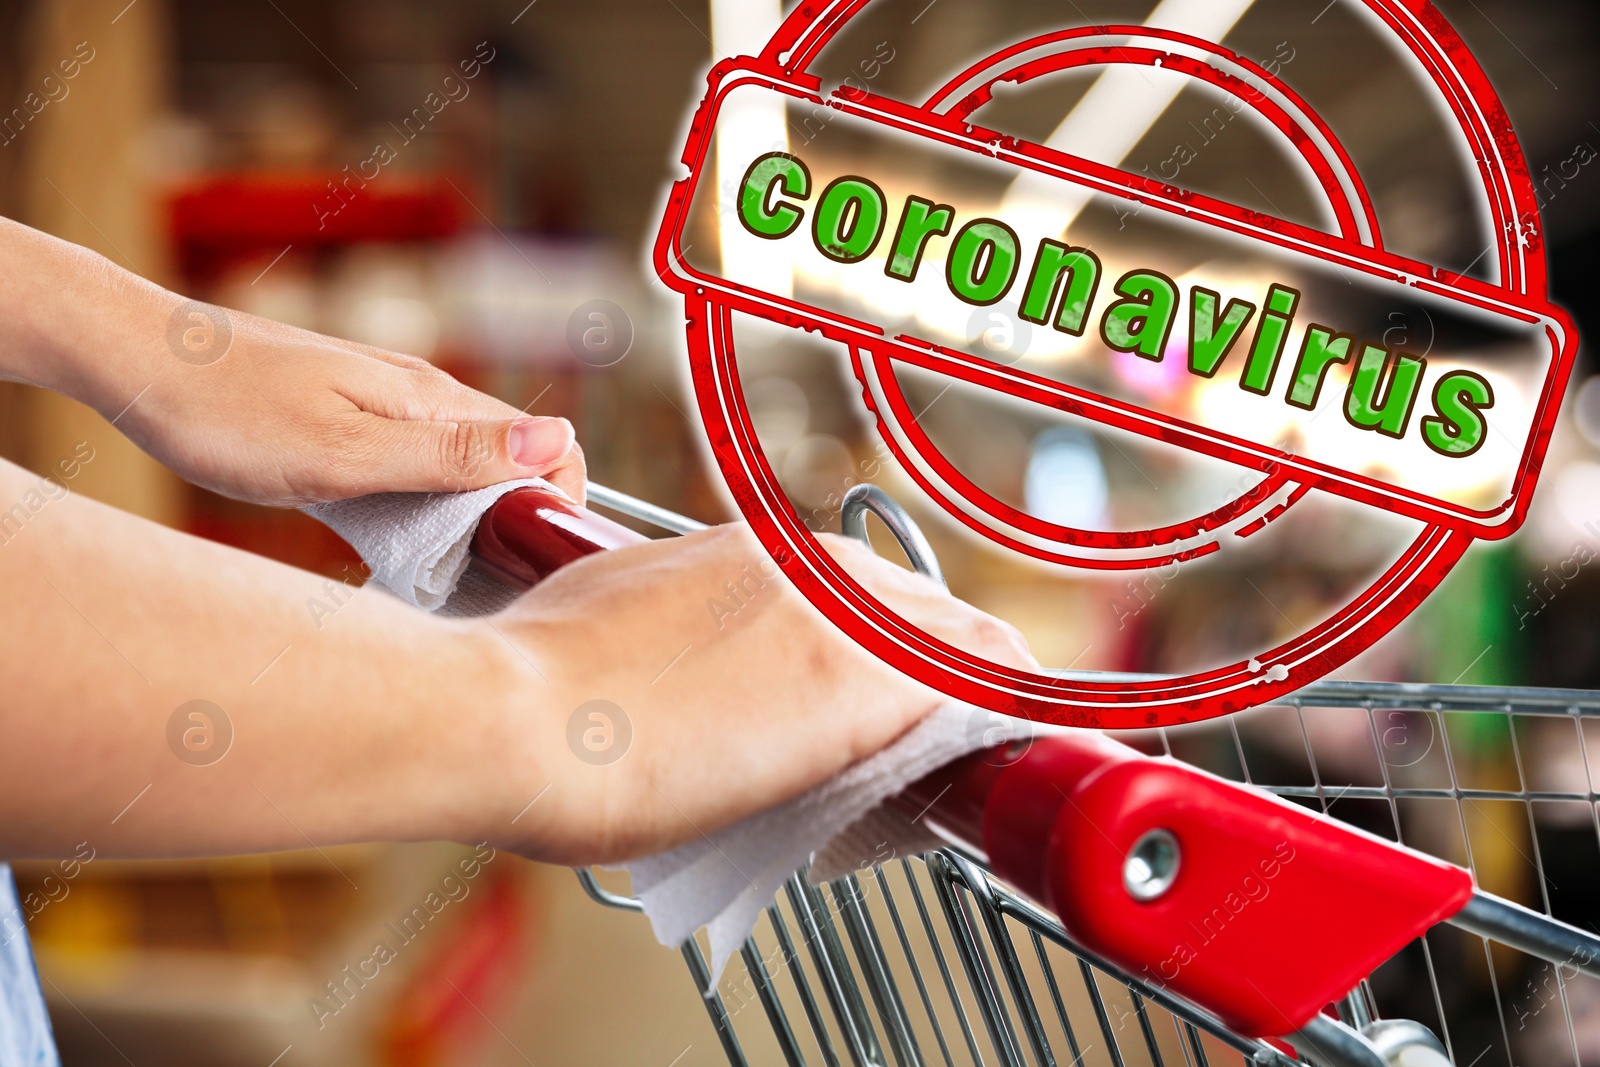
point(230, 151)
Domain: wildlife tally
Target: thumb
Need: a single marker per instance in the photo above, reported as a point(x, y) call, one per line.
point(429, 457)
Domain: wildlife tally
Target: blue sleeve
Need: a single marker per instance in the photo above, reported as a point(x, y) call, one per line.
point(24, 1025)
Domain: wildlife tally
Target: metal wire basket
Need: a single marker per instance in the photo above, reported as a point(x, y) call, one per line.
point(932, 960)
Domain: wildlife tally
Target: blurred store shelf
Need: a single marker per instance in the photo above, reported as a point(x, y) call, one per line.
point(373, 955)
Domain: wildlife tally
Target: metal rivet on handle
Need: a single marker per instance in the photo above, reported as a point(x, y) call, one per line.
point(1152, 865)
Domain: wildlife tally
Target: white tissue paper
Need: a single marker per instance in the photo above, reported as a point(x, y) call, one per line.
point(724, 880)
point(416, 545)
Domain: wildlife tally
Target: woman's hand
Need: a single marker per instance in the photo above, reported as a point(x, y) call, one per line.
point(254, 409)
point(737, 695)
point(210, 708)
point(290, 417)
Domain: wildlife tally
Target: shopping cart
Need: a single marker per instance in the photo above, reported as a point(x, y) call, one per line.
point(937, 960)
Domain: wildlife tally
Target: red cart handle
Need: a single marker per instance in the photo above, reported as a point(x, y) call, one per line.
point(1253, 907)
point(531, 532)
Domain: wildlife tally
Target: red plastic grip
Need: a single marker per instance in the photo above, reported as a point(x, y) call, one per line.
point(1027, 802)
point(531, 532)
point(1275, 912)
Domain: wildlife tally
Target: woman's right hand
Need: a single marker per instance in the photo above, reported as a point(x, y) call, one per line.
point(731, 693)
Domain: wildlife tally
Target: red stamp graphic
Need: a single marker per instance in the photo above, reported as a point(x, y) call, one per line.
point(1265, 347)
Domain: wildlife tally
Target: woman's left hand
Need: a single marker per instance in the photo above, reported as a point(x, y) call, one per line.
point(255, 409)
point(290, 417)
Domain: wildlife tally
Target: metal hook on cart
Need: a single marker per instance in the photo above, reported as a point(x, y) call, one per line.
point(866, 497)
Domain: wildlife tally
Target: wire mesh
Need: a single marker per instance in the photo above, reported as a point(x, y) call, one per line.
point(930, 960)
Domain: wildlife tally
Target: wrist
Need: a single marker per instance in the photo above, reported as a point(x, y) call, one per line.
point(85, 327)
point(497, 707)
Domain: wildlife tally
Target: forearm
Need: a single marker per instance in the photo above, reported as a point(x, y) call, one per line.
point(78, 323)
point(373, 722)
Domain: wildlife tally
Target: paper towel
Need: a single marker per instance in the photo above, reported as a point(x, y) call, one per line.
point(416, 544)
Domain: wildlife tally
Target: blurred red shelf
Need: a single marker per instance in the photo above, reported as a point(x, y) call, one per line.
point(235, 216)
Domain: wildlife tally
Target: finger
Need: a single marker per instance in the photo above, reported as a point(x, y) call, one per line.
point(410, 390)
point(406, 456)
point(864, 565)
point(571, 474)
point(421, 392)
point(433, 396)
point(929, 606)
point(963, 626)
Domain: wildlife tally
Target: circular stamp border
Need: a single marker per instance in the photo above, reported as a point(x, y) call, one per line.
point(1130, 702)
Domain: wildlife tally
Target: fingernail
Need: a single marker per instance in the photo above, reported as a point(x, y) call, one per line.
point(540, 442)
